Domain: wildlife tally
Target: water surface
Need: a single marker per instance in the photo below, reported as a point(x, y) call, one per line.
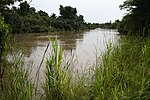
point(85, 45)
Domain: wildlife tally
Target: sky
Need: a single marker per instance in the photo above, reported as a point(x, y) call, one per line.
point(94, 11)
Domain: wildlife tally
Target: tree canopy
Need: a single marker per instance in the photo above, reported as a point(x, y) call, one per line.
point(68, 12)
point(137, 21)
point(24, 18)
point(24, 8)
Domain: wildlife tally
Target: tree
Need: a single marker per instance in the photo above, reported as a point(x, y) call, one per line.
point(53, 16)
point(24, 8)
point(42, 13)
point(137, 21)
point(81, 18)
point(67, 12)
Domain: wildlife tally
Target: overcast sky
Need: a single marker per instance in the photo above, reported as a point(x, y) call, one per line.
point(97, 11)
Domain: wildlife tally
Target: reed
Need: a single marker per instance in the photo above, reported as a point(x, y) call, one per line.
point(21, 87)
point(56, 75)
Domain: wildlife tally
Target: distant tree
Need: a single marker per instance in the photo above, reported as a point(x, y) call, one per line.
point(81, 18)
point(24, 19)
point(24, 8)
point(115, 24)
point(32, 10)
point(68, 19)
point(53, 16)
point(42, 13)
point(12, 18)
point(67, 12)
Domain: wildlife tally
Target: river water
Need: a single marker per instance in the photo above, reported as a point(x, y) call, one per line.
point(85, 46)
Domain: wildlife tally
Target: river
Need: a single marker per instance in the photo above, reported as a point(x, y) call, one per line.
point(84, 45)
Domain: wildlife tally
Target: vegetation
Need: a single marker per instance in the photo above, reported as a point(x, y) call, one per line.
point(121, 73)
point(14, 79)
point(68, 20)
point(56, 84)
point(110, 25)
point(124, 71)
point(25, 19)
point(4, 47)
point(137, 21)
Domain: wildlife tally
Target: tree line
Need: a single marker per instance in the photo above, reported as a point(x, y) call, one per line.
point(26, 19)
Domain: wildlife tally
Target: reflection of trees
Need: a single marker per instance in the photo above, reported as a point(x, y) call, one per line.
point(23, 42)
point(30, 42)
point(69, 40)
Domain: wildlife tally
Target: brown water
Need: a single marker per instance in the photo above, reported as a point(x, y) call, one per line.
point(84, 45)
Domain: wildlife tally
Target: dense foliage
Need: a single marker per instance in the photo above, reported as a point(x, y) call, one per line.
point(68, 20)
point(26, 19)
point(124, 72)
point(4, 47)
point(137, 21)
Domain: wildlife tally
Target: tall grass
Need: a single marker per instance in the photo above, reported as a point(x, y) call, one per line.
point(17, 83)
point(124, 73)
point(56, 75)
point(61, 81)
point(21, 87)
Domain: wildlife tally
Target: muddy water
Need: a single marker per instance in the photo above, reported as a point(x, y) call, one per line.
point(83, 45)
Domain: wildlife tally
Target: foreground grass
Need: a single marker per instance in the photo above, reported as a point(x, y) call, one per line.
point(122, 74)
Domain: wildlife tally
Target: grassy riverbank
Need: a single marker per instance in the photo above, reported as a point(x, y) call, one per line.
point(123, 73)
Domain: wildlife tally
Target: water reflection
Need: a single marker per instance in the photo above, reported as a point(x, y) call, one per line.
point(30, 42)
